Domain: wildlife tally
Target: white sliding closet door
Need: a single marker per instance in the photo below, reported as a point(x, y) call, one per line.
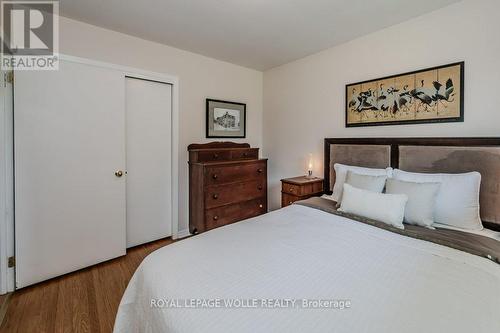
point(149, 160)
point(69, 141)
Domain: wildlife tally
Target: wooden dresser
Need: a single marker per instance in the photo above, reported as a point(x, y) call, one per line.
point(300, 188)
point(227, 183)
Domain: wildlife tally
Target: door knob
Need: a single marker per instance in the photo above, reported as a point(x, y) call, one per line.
point(118, 173)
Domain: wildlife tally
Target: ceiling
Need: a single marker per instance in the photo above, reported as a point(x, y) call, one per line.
point(258, 34)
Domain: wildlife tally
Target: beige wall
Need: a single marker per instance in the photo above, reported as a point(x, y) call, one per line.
point(304, 100)
point(199, 77)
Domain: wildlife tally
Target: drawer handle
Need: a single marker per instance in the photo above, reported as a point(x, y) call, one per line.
point(215, 196)
point(260, 206)
point(245, 154)
point(291, 189)
point(259, 170)
point(216, 156)
point(216, 217)
point(260, 187)
point(214, 176)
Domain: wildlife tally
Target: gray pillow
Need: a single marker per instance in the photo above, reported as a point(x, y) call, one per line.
point(364, 182)
point(421, 200)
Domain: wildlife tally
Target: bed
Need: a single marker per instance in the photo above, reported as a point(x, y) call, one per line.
point(306, 269)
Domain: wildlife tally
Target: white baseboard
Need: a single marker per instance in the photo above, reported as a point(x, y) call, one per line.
point(183, 233)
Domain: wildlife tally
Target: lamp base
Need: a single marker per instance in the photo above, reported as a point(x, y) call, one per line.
point(310, 174)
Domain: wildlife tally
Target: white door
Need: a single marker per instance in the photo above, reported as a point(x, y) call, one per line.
point(69, 140)
point(6, 182)
point(149, 160)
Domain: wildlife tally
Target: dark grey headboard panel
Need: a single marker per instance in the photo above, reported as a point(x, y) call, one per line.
point(433, 155)
point(485, 160)
point(369, 156)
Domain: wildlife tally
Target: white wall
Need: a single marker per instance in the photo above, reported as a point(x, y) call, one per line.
point(304, 100)
point(199, 77)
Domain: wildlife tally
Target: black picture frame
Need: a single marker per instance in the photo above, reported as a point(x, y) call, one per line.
point(459, 118)
point(236, 106)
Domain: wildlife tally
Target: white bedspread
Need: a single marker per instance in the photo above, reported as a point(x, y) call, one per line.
point(394, 283)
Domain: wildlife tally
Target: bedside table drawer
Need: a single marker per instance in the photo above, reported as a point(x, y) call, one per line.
point(288, 199)
point(291, 189)
point(300, 188)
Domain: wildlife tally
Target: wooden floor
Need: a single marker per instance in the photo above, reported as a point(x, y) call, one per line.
point(84, 301)
point(4, 300)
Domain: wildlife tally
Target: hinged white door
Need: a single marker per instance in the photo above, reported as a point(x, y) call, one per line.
point(69, 142)
point(149, 160)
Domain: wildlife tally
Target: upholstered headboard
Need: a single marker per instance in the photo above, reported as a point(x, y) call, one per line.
point(431, 155)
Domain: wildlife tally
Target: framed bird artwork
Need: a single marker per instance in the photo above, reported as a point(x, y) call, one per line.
point(431, 95)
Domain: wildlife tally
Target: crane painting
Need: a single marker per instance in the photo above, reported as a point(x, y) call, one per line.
point(424, 96)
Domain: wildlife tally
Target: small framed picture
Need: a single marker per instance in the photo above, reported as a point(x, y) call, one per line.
point(225, 119)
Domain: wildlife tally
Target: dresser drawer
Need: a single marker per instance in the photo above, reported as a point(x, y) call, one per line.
point(218, 195)
point(220, 216)
point(245, 154)
point(235, 173)
point(214, 155)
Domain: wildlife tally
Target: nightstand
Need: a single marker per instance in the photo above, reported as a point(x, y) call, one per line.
point(300, 188)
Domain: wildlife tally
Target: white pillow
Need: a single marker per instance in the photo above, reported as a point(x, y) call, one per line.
point(387, 208)
point(457, 201)
point(421, 200)
point(365, 182)
point(341, 174)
